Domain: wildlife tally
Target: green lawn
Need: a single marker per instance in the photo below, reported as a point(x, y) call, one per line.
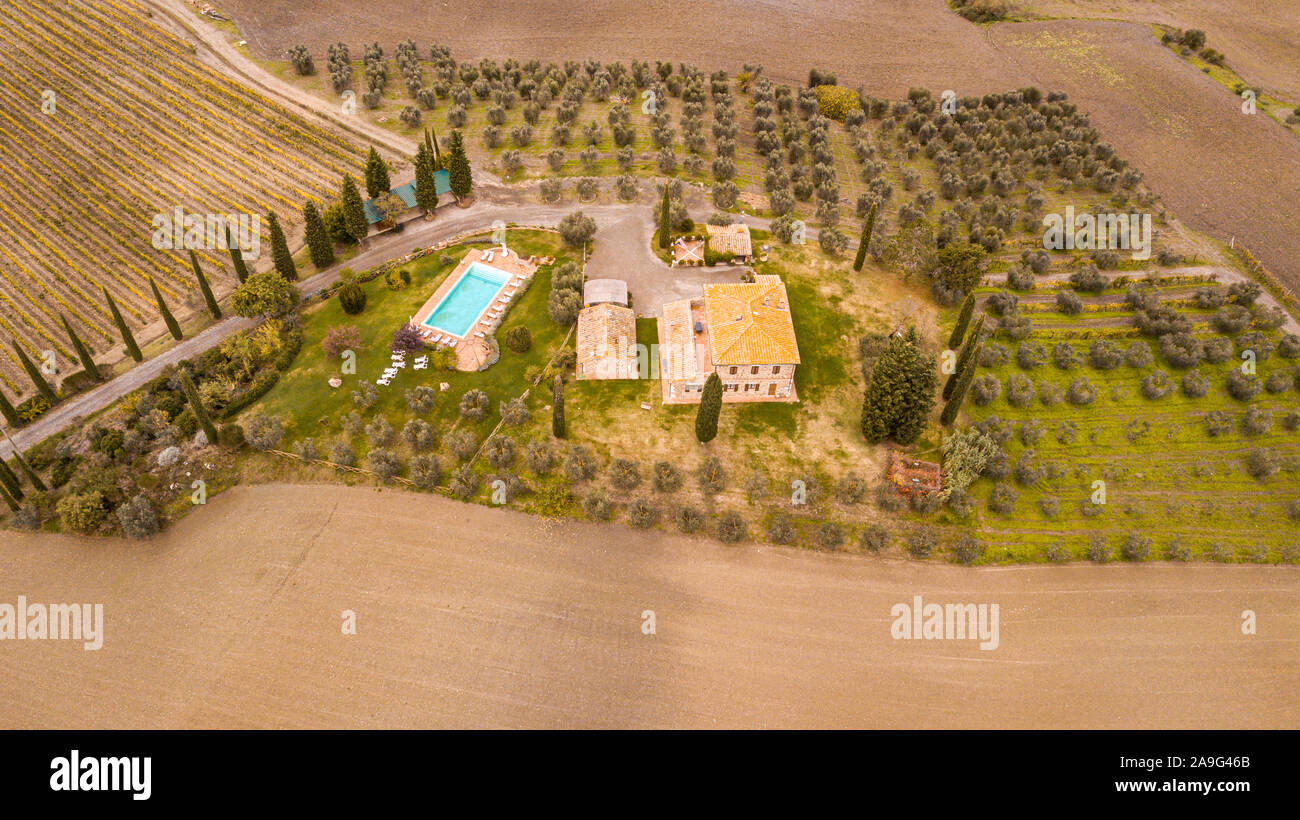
point(309, 407)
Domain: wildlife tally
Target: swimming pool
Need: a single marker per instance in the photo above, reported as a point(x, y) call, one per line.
point(462, 306)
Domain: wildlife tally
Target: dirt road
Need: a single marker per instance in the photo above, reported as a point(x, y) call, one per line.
point(233, 619)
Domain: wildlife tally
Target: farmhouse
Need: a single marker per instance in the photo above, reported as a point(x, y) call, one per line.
point(742, 332)
point(731, 240)
point(607, 342)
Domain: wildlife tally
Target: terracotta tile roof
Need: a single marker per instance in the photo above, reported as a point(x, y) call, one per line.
point(607, 342)
point(750, 323)
point(679, 360)
point(732, 239)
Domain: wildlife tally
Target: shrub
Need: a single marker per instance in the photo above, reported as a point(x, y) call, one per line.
point(460, 443)
point(1218, 350)
point(1002, 499)
point(1182, 350)
point(688, 519)
point(1136, 547)
point(1280, 381)
point(580, 464)
point(1256, 421)
point(1242, 387)
point(420, 399)
point(137, 517)
point(1157, 385)
point(383, 463)
point(352, 298)
point(993, 355)
point(426, 472)
point(231, 436)
point(830, 535)
point(1261, 464)
point(514, 412)
point(711, 476)
point(642, 514)
point(1138, 354)
point(625, 474)
point(874, 538)
point(1089, 279)
point(851, 489)
point(1098, 552)
point(1177, 551)
point(921, 542)
point(519, 339)
point(1068, 302)
point(342, 454)
point(499, 451)
point(1030, 355)
point(780, 530)
point(265, 432)
point(1104, 354)
point(666, 478)
point(81, 512)
point(1049, 505)
point(1081, 392)
point(732, 528)
point(339, 338)
point(464, 481)
point(1288, 347)
point(984, 389)
point(1195, 385)
point(577, 229)
point(1064, 356)
point(1231, 318)
point(474, 405)
point(968, 550)
point(1058, 554)
point(1217, 423)
point(1020, 390)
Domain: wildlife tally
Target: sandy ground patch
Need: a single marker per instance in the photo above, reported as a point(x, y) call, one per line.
point(475, 617)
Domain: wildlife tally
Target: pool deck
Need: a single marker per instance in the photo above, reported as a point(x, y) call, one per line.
point(473, 350)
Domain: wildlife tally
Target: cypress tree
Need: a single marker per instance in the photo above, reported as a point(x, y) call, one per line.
point(83, 353)
point(959, 392)
point(963, 321)
point(377, 183)
point(318, 239)
point(462, 179)
point(557, 411)
point(203, 287)
point(865, 241)
point(10, 481)
point(128, 339)
point(9, 499)
point(196, 406)
point(280, 250)
point(32, 477)
point(236, 257)
point(431, 140)
point(426, 190)
point(964, 359)
point(9, 411)
point(172, 327)
point(706, 418)
point(899, 396)
point(663, 219)
point(354, 211)
point(34, 373)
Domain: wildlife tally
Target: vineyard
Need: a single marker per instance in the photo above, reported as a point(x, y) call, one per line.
point(110, 120)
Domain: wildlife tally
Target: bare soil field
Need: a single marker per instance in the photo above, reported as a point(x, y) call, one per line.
point(1261, 38)
point(232, 619)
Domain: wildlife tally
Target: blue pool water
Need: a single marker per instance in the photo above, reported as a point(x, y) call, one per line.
point(461, 307)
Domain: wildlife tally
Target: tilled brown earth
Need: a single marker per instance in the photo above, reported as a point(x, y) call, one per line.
point(468, 616)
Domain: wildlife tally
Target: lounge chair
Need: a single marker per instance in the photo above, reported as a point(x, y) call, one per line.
point(484, 255)
point(383, 382)
point(480, 334)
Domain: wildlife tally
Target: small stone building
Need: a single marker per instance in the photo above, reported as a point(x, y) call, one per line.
point(606, 342)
